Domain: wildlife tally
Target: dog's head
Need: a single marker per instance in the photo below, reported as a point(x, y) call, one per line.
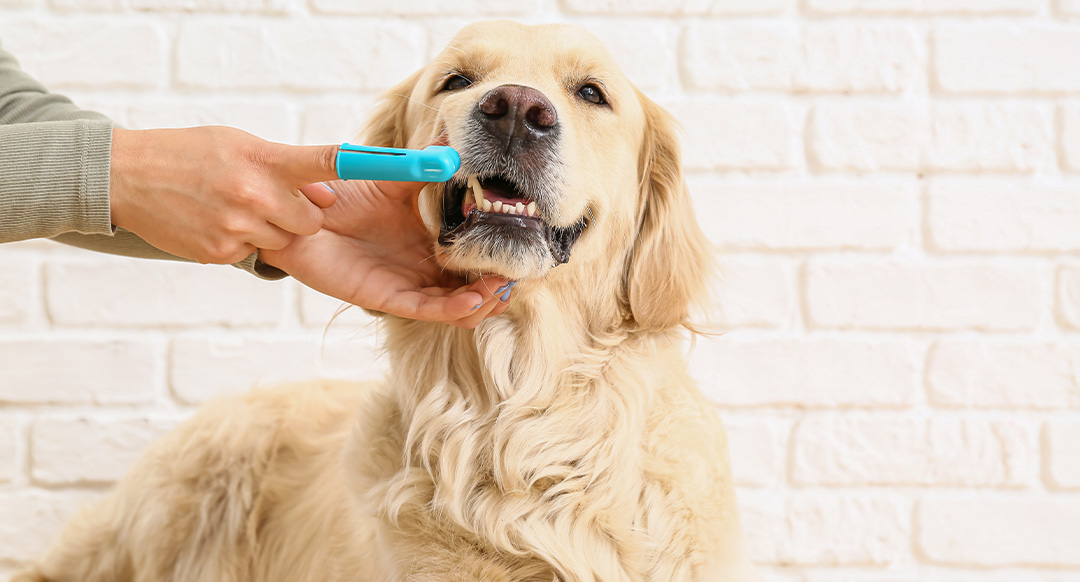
point(563, 161)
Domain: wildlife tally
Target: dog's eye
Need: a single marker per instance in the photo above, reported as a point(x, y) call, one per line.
point(456, 82)
point(592, 94)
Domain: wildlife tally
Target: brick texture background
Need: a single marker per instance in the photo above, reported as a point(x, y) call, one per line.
point(894, 187)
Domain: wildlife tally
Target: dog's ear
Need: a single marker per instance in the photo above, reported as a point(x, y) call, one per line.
point(670, 266)
point(386, 126)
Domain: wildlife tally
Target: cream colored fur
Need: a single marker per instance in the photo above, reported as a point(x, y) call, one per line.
point(563, 440)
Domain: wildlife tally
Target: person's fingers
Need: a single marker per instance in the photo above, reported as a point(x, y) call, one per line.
point(479, 313)
point(492, 304)
point(271, 237)
point(220, 255)
point(320, 194)
point(431, 307)
point(296, 214)
point(307, 164)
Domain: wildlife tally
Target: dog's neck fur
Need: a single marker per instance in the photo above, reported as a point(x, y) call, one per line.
point(485, 417)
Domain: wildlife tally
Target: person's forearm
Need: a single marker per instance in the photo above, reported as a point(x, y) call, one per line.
point(54, 178)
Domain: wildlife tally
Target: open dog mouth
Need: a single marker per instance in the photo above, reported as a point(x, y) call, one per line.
point(495, 206)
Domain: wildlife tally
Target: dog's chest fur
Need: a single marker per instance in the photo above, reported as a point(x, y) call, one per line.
point(539, 456)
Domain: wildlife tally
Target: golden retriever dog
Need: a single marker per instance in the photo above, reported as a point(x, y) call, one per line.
point(560, 441)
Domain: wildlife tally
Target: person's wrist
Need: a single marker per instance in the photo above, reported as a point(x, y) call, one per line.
point(119, 159)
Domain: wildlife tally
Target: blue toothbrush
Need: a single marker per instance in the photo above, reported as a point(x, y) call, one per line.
point(431, 164)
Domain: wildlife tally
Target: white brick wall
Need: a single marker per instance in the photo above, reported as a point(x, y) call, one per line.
point(892, 185)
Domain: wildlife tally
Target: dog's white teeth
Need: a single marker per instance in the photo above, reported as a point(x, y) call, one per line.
point(478, 192)
point(473, 184)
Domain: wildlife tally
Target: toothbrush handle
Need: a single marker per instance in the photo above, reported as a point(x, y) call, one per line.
point(431, 164)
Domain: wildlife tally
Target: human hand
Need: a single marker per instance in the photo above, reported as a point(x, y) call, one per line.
point(216, 194)
point(374, 251)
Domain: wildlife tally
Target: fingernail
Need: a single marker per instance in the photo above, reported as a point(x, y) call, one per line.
point(478, 306)
point(505, 289)
point(328, 187)
point(508, 288)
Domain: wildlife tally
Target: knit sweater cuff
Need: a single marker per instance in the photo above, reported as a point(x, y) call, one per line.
point(54, 178)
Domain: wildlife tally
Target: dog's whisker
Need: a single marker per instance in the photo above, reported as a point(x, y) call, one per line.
point(622, 229)
point(427, 258)
point(417, 101)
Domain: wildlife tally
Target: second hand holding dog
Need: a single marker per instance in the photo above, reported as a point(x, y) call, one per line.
point(374, 251)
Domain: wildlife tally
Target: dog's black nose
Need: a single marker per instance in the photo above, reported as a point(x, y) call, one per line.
point(515, 112)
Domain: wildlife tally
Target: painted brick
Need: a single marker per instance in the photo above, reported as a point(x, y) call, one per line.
point(820, 214)
point(31, 520)
point(872, 450)
point(319, 311)
point(811, 530)
point(1011, 216)
point(1070, 139)
point(911, 295)
point(66, 451)
point(112, 105)
point(118, 292)
point(244, 6)
point(1007, 58)
point(203, 368)
point(9, 449)
point(258, 6)
point(349, 339)
point(476, 8)
point(926, 6)
point(1007, 137)
point(349, 56)
point(1000, 532)
point(1004, 374)
point(807, 372)
point(759, 134)
point(615, 7)
point(58, 370)
point(756, 450)
point(740, 56)
point(652, 65)
point(18, 283)
point(353, 356)
point(65, 53)
point(849, 136)
point(834, 57)
point(335, 121)
point(755, 292)
point(87, 5)
point(272, 120)
point(950, 136)
point(1068, 295)
point(950, 574)
point(1062, 465)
